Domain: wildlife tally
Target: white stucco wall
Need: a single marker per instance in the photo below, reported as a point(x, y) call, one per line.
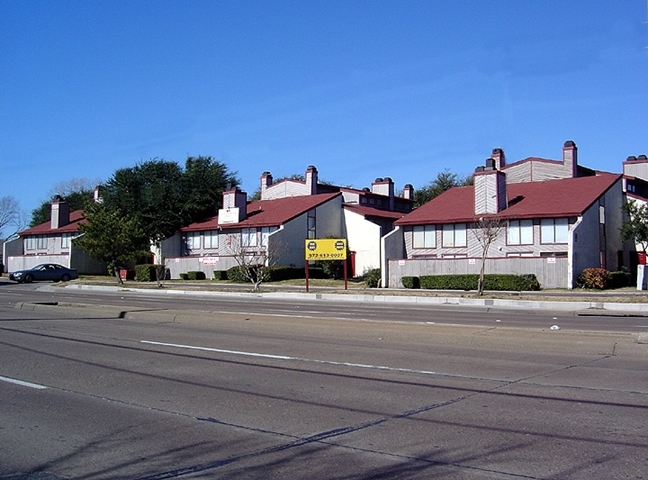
point(363, 238)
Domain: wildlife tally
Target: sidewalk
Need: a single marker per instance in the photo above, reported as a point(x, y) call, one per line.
point(625, 302)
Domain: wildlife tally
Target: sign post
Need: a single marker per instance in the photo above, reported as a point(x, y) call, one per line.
point(317, 249)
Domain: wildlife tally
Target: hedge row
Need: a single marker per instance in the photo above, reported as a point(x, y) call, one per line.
point(470, 281)
point(600, 278)
point(275, 274)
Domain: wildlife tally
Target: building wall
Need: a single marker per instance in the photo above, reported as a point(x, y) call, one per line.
point(498, 249)
point(286, 243)
point(330, 219)
point(551, 272)
point(392, 245)
point(286, 188)
point(363, 237)
point(537, 171)
point(637, 169)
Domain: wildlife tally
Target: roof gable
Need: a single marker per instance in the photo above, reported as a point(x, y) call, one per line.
point(548, 199)
point(268, 213)
point(76, 218)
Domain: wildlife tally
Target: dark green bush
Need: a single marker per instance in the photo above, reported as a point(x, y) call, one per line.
point(150, 273)
point(372, 278)
point(220, 274)
point(236, 275)
point(470, 281)
point(196, 275)
point(411, 282)
point(184, 276)
point(275, 273)
point(619, 279)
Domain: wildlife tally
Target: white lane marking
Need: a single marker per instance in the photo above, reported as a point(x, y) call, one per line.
point(24, 384)
point(310, 360)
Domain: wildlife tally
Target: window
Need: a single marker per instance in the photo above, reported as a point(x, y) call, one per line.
point(265, 233)
point(249, 237)
point(424, 236)
point(554, 230)
point(311, 224)
point(36, 242)
point(211, 239)
point(519, 232)
point(65, 240)
point(192, 240)
point(454, 235)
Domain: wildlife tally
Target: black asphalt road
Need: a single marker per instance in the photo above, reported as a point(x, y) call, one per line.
point(167, 387)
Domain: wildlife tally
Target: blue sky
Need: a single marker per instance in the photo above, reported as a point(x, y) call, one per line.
point(360, 89)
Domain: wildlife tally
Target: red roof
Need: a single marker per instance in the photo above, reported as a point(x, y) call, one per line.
point(268, 213)
point(374, 212)
point(548, 199)
point(46, 228)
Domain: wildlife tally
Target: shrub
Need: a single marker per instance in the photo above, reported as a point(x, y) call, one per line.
point(149, 273)
point(411, 282)
point(196, 275)
point(236, 275)
point(619, 279)
point(184, 276)
point(491, 282)
point(597, 278)
point(372, 278)
point(220, 274)
point(332, 268)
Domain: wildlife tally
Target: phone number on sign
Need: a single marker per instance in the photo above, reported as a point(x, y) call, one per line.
point(324, 256)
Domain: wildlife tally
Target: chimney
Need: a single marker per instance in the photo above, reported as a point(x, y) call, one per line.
point(490, 192)
point(384, 186)
point(98, 198)
point(234, 206)
point(570, 157)
point(266, 181)
point(408, 192)
point(60, 213)
point(311, 180)
point(498, 156)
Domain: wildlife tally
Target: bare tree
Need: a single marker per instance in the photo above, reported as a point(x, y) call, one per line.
point(9, 213)
point(74, 185)
point(486, 231)
point(254, 262)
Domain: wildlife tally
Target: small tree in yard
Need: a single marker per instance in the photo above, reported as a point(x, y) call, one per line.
point(486, 231)
point(635, 228)
point(112, 237)
point(254, 263)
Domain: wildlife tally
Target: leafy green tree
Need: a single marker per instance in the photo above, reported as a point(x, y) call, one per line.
point(635, 227)
point(112, 237)
point(152, 193)
point(444, 181)
point(203, 182)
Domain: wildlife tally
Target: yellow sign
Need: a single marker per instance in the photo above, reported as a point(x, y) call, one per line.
point(326, 249)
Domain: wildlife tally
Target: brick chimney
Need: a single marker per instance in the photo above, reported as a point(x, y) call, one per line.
point(498, 156)
point(60, 213)
point(570, 158)
point(490, 191)
point(384, 186)
point(311, 180)
point(408, 191)
point(234, 206)
point(266, 181)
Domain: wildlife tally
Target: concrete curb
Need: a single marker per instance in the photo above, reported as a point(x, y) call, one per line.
point(581, 308)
